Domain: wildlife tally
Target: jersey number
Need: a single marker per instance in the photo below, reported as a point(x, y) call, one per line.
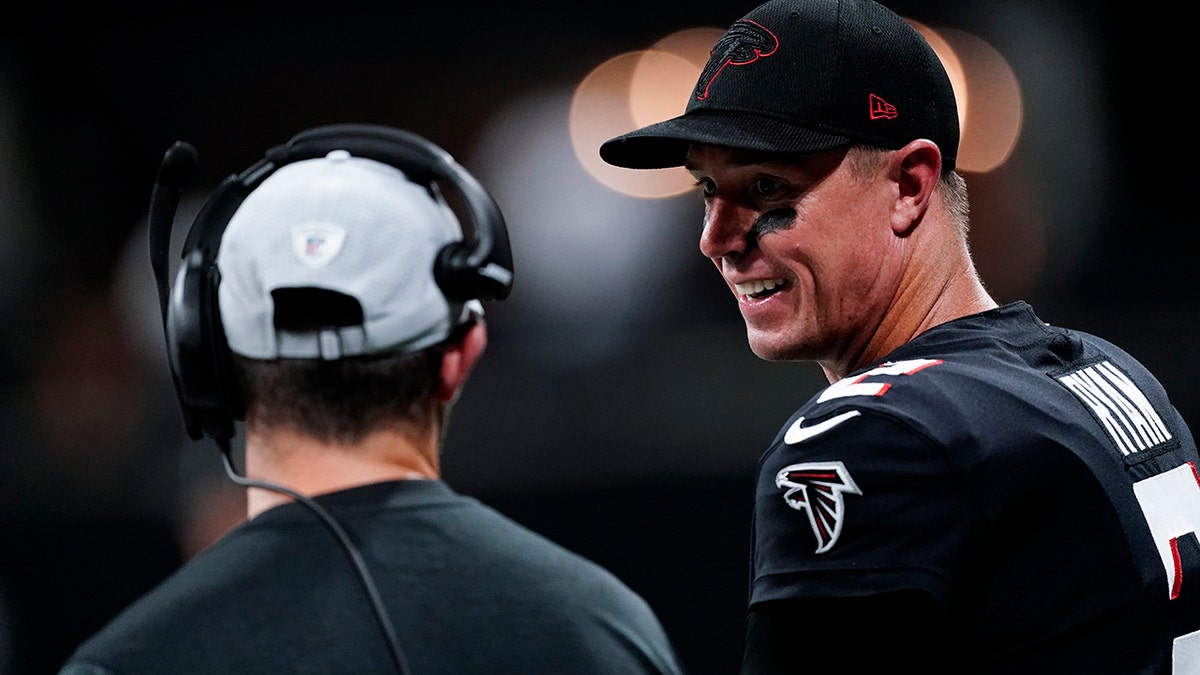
point(859, 386)
point(1171, 503)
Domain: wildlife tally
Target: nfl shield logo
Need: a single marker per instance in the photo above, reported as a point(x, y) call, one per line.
point(315, 244)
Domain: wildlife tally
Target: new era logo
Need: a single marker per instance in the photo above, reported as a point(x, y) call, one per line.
point(881, 109)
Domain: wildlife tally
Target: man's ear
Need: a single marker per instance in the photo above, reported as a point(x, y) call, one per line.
point(916, 167)
point(460, 354)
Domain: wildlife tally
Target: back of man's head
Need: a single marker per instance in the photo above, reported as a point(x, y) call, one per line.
point(328, 297)
point(334, 257)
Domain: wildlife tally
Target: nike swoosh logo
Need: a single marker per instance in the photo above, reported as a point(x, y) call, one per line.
point(798, 433)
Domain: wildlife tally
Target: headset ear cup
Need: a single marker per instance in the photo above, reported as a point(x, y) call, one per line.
point(453, 272)
point(229, 404)
point(200, 360)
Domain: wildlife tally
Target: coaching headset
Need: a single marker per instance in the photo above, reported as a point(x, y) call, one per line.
point(477, 267)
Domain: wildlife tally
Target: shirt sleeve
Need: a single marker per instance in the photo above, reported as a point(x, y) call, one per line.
point(857, 502)
point(880, 633)
point(83, 668)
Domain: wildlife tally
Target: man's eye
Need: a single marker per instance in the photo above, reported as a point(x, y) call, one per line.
point(766, 186)
point(706, 186)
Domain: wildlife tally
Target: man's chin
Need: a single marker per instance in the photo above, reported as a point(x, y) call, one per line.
point(767, 347)
point(770, 345)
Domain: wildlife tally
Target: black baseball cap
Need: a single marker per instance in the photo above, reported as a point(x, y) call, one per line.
point(807, 75)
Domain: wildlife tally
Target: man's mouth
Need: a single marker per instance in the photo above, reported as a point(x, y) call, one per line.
point(760, 288)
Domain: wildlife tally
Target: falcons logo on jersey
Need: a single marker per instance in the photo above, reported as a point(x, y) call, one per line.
point(817, 488)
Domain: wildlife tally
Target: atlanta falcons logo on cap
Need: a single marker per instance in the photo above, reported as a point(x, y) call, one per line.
point(817, 488)
point(745, 42)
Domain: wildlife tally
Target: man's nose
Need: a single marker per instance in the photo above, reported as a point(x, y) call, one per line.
point(725, 228)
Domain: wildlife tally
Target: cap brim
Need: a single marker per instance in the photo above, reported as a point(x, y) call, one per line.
point(665, 144)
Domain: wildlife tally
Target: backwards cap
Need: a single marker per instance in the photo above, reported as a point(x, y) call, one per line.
point(803, 76)
point(358, 231)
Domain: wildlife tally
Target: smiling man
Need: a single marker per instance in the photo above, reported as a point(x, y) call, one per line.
point(976, 491)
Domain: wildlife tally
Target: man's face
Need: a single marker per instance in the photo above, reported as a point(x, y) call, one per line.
point(806, 246)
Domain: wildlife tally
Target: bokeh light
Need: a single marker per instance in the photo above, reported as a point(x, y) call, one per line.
point(988, 95)
point(631, 90)
point(666, 73)
point(585, 251)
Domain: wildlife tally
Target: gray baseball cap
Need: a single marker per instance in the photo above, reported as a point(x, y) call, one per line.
point(345, 227)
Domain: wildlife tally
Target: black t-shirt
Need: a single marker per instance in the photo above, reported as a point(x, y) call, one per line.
point(1035, 482)
point(467, 590)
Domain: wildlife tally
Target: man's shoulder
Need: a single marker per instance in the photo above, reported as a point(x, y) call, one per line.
point(84, 668)
point(920, 384)
point(946, 398)
point(154, 619)
point(185, 602)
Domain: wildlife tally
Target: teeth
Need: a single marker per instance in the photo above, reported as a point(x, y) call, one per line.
point(758, 286)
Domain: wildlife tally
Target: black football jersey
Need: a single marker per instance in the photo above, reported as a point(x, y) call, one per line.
point(1036, 481)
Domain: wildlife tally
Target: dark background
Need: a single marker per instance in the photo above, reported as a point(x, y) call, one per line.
point(637, 450)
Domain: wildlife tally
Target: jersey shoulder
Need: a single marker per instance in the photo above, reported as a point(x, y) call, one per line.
point(932, 396)
point(1005, 379)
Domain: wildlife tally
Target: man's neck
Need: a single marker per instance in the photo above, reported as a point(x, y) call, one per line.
point(312, 467)
point(935, 290)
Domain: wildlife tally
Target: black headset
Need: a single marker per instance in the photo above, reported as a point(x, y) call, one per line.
point(478, 267)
